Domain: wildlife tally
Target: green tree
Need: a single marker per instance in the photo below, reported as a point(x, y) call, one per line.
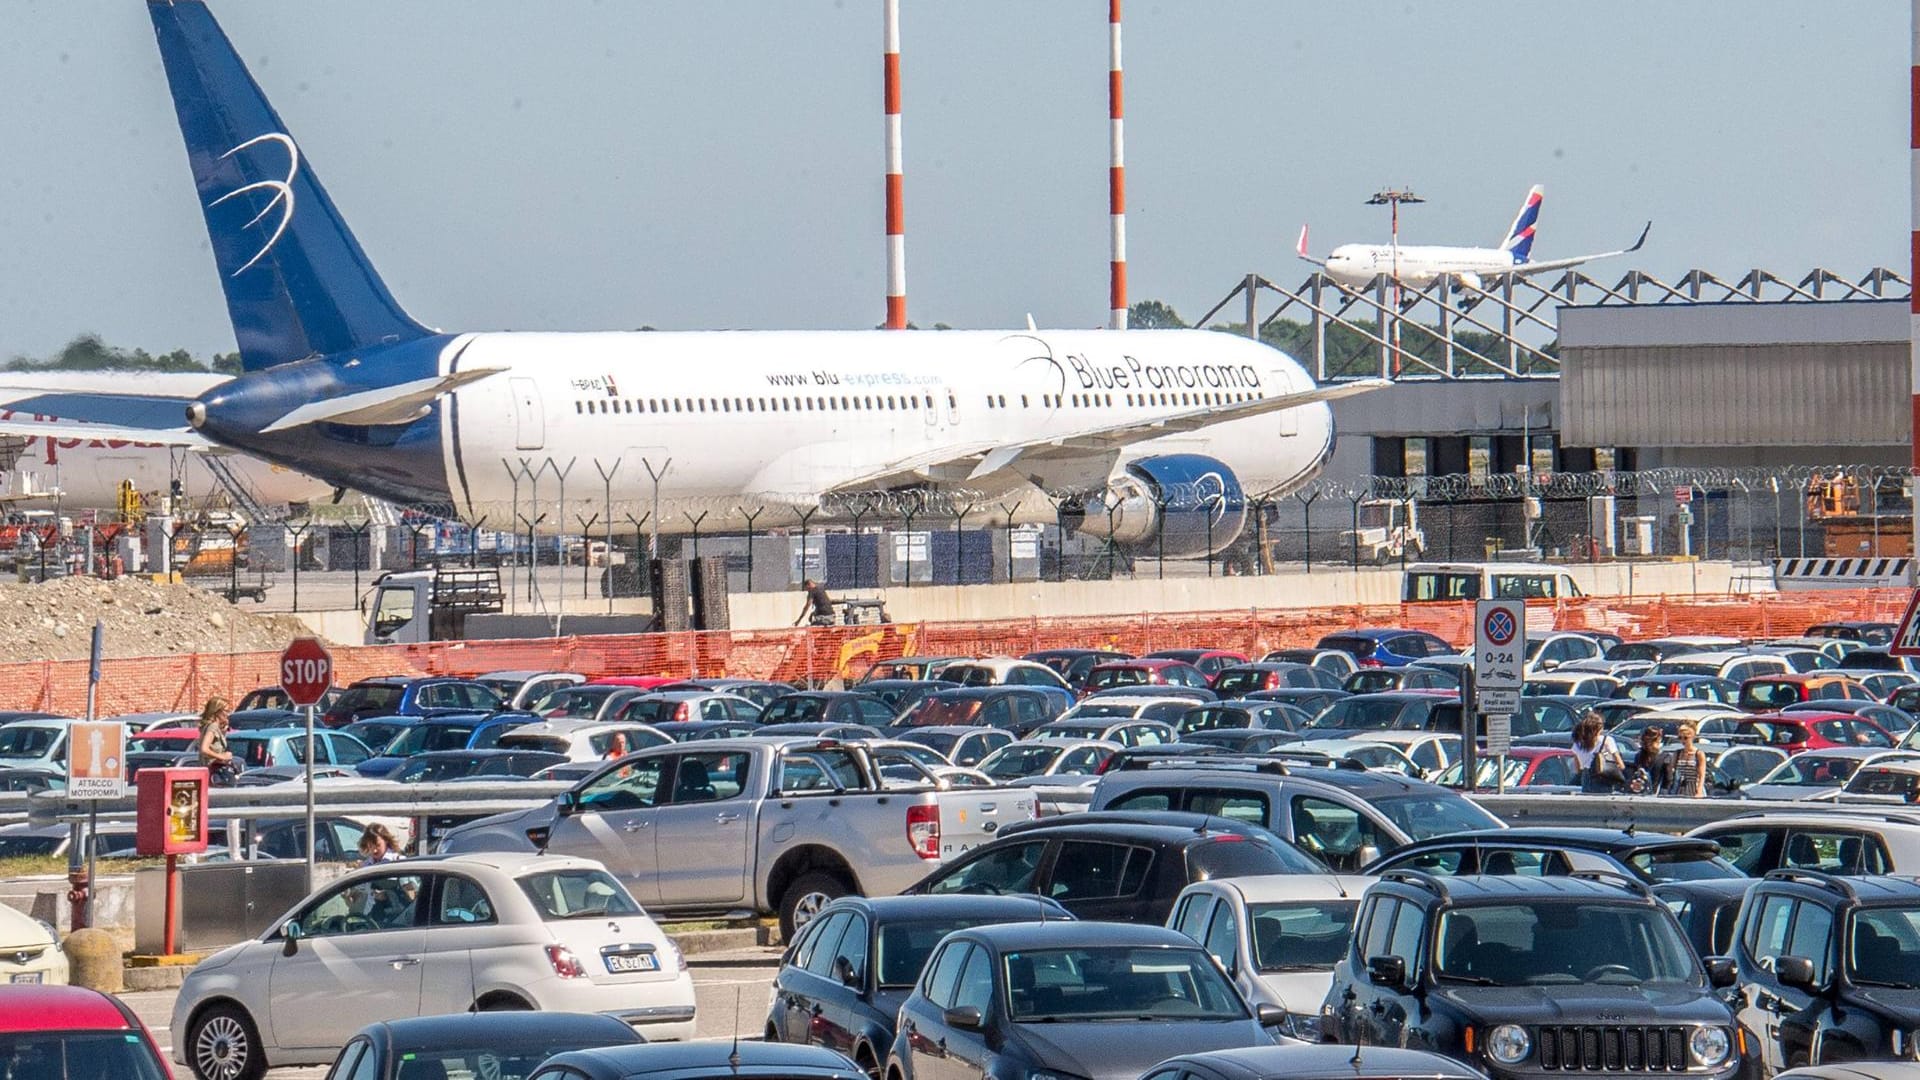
point(1154, 315)
point(88, 353)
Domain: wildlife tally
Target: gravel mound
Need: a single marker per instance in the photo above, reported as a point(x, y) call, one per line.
point(54, 620)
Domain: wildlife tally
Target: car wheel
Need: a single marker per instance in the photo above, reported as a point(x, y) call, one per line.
point(805, 897)
point(863, 1057)
point(224, 1045)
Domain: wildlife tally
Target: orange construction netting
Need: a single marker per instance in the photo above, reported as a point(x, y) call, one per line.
point(182, 683)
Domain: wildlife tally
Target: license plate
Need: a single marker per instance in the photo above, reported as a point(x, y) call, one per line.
point(27, 977)
point(622, 963)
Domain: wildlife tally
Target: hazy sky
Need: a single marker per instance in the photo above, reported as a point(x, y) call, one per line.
point(567, 164)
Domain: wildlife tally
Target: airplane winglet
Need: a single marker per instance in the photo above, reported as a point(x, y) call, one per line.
point(1300, 248)
point(1642, 240)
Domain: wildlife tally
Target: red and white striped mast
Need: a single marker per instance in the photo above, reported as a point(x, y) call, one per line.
point(1117, 175)
point(896, 221)
point(1913, 225)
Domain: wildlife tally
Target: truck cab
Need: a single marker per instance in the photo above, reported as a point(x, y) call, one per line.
point(428, 605)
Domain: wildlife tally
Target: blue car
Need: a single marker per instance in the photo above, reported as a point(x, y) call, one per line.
point(398, 695)
point(475, 731)
point(1386, 647)
point(268, 747)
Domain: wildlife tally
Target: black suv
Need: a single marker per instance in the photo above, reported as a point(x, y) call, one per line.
point(1830, 968)
point(1523, 975)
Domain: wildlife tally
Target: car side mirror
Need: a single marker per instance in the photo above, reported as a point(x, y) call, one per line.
point(1796, 972)
point(1389, 972)
point(965, 1018)
point(843, 970)
point(1722, 972)
point(568, 803)
point(1549, 665)
point(1270, 1015)
point(1367, 855)
point(291, 932)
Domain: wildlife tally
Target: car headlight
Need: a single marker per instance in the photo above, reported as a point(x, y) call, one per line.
point(1509, 1044)
point(1302, 1026)
point(53, 935)
point(1710, 1046)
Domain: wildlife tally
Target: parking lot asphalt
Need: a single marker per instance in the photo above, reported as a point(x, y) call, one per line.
point(731, 991)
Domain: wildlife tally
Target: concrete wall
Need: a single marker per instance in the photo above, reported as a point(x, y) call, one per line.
point(1321, 588)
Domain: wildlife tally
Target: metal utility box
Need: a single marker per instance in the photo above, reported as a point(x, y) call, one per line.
point(220, 902)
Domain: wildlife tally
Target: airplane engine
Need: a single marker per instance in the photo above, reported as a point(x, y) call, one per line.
point(1186, 506)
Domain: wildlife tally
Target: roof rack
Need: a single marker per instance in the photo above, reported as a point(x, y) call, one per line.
point(1419, 879)
point(1613, 877)
point(1854, 811)
point(1225, 762)
point(1831, 883)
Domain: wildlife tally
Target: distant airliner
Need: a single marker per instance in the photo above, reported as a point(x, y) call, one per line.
point(1175, 431)
point(1357, 265)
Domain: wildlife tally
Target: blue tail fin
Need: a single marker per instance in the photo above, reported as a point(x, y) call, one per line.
point(1520, 238)
point(297, 283)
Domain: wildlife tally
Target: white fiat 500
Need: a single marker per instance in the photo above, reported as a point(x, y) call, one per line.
point(418, 937)
point(29, 950)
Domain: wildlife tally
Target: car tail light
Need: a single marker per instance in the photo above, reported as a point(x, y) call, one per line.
point(1368, 661)
point(923, 831)
point(565, 964)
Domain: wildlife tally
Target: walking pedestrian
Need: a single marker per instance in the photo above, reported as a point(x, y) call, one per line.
point(1601, 769)
point(212, 745)
point(1650, 772)
point(1689, 764)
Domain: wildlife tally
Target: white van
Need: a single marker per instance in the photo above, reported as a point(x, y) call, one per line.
point(1431, 582)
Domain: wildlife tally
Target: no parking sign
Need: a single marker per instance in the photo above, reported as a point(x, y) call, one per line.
point(1499, 655)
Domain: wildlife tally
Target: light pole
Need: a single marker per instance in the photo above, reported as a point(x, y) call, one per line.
point(1393, 197)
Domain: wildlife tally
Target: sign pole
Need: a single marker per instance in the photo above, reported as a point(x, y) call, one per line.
point(306, 673)
point(1469, 731)
point(93, 805)
point(310, 711)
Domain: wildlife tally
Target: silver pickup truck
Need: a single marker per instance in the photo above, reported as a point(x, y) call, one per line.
point(752, 825)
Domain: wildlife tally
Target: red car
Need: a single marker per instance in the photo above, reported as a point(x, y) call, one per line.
point(639, 682)
point(1797, 731)
point(60, 1031)
point(1526, 766)
point(1142, 672)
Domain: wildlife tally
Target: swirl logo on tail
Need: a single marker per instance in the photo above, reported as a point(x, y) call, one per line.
point(282, 193)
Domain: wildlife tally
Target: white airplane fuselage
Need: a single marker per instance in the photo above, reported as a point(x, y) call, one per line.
point(1357, 265)
point(776, 417)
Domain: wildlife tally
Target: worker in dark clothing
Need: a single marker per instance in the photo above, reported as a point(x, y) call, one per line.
point(819, 609)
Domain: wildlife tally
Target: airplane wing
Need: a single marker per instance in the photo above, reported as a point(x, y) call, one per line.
point(138, 418)
point(1530, 268)
point(988, 461)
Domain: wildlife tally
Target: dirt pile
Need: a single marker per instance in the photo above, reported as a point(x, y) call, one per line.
point(54, 620)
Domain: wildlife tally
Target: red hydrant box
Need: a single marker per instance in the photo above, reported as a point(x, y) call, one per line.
point(172, 808)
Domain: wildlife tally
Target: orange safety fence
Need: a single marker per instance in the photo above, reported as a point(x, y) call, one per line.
point(182, 683)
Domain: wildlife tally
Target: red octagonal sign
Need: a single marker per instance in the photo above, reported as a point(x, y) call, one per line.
point(306, 671)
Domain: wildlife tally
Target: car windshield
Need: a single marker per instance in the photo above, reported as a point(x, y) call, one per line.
point(1884, 949)
point(26, 741)
point(1559, 942)
point(1106, 678)
point(1359, 714)
point(577, 894)
point(1057, 731)
point(1775, 733)
point(1118, 984)
point(1685, 667)
point(123, 1055)
point(941, 742)
point(1514, 769)
point(421, 738)
point(940, 712)
point(434, 770)
point(795, 709)
point(1300, 935)
point(1813, 770)
point(574, 702)
point(1769, 695)
point(30, 844)
point(905, 946)
point(1681, 866)
point(1013, 762)
point(369, 699)
point(1422, 816)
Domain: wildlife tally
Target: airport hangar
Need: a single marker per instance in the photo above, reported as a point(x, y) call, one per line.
point(1643, 386)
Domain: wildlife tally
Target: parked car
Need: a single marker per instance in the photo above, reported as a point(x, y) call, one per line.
point(1884, 782)
point(964, 746)
point(1313, 701)
point(477, 932)
point(662, 707)
point(1018, 709)
point(1734, 665)
point(1102, 709)
point(761, 692)
point(1382, 680)
point(441, 766)
point(1072, 665)
point(469, 732)
point(478, 1045)
point(1243, 679)
point(694, 730)
point(580, 740)
point(1768, 693)
point(1517, 976)
point(1430, 751)
point(1002, 671)
point(66, 1031)
point(1707, 910)
point(1106, 729)
point(1864, 631)
point(841, 982)
point(1558, 850)
point(588, 701)
point(818, 729)
point(518, 690)
point(1238, 740)
point(287, 746)
point(1333, 661)
point(901, 694)
point(1818, 775)
point(1066, 999)
point(1566, 681)
point(1897, 722)
point(1348, 754)
point(1344, 818)
point(1117, 871)
point(1830, 968)
point(272, 697)
point(36, 744)
point(715, 1060)
point(1210, 661)
point(1143, 672)
point(1272, 715)
point(1524, 767)
point(1406, 710)
point(29, 952)
point(376, 735)
point(400, 695)
point(1386, 647)
point(1850, 840)
point(1695, 687)
point(1798, 731)
point(1276, 937)
point(910, 667)
point(829, 707)
point(1028, 759)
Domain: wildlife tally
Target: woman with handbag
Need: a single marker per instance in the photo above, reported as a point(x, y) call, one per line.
point(212, 747)
point(1601, 770)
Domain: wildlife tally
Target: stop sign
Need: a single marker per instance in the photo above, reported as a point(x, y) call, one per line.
point(306, 671)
